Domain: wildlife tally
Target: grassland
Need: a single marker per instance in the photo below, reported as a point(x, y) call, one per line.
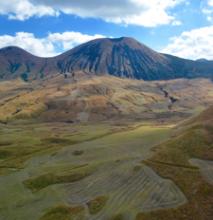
point(42, 176)
point(103, 171)
point(18, 143)
point(56, 164)
point(47, 179)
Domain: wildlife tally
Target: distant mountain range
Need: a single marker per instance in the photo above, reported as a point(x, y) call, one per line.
point(122, 57)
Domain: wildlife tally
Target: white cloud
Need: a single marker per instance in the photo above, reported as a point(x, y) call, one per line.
point(194, 44)
point(148, 13)
point(24, 9)
point(49, 46)
point(27, 41)
point(69, 39)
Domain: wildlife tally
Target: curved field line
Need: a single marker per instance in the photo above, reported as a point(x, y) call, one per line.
point(141, 190)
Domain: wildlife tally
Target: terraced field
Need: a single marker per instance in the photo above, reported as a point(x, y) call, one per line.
point(99, 177)
point(128, 192)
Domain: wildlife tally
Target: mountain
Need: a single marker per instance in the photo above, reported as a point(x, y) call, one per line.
point(16, 62)
point(126, 57)
point(122, 57)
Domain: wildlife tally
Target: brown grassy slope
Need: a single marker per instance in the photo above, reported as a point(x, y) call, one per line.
point(171, 160)
point(102, 98)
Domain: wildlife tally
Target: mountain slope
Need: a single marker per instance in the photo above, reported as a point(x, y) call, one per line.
point(126, 57)
point(121, 57)
point(16, 62)
point(103, 98)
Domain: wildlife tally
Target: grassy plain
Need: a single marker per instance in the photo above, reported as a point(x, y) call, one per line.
point(39, 163)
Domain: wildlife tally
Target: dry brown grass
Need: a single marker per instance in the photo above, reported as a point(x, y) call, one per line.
point(171, 161)
point(103, 97)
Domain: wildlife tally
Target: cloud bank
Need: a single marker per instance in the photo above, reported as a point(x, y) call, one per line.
point(145, 13)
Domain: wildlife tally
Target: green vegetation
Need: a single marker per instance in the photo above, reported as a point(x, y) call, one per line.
point(59, 140)
point(4, 154)
point(97, 204)
point(117, 217)
point(44, 163)
point(45, 180)
point(19, 143)
point(78, 152)
point(63, 213)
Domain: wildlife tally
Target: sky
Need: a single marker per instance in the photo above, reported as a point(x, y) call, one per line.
point(49, 27)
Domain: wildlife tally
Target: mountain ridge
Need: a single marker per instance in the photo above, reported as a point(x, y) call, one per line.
point(121, 57)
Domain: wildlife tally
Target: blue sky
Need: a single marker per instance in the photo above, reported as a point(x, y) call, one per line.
point(48, 27)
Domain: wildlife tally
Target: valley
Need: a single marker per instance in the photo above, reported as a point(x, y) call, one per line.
point(105, 148)
point(109, 130)
point(70, 172)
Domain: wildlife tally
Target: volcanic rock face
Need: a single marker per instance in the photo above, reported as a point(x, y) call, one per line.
point(122, 57)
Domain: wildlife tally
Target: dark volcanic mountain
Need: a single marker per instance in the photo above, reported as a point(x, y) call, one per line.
point(16, 62)
point(122, 57)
